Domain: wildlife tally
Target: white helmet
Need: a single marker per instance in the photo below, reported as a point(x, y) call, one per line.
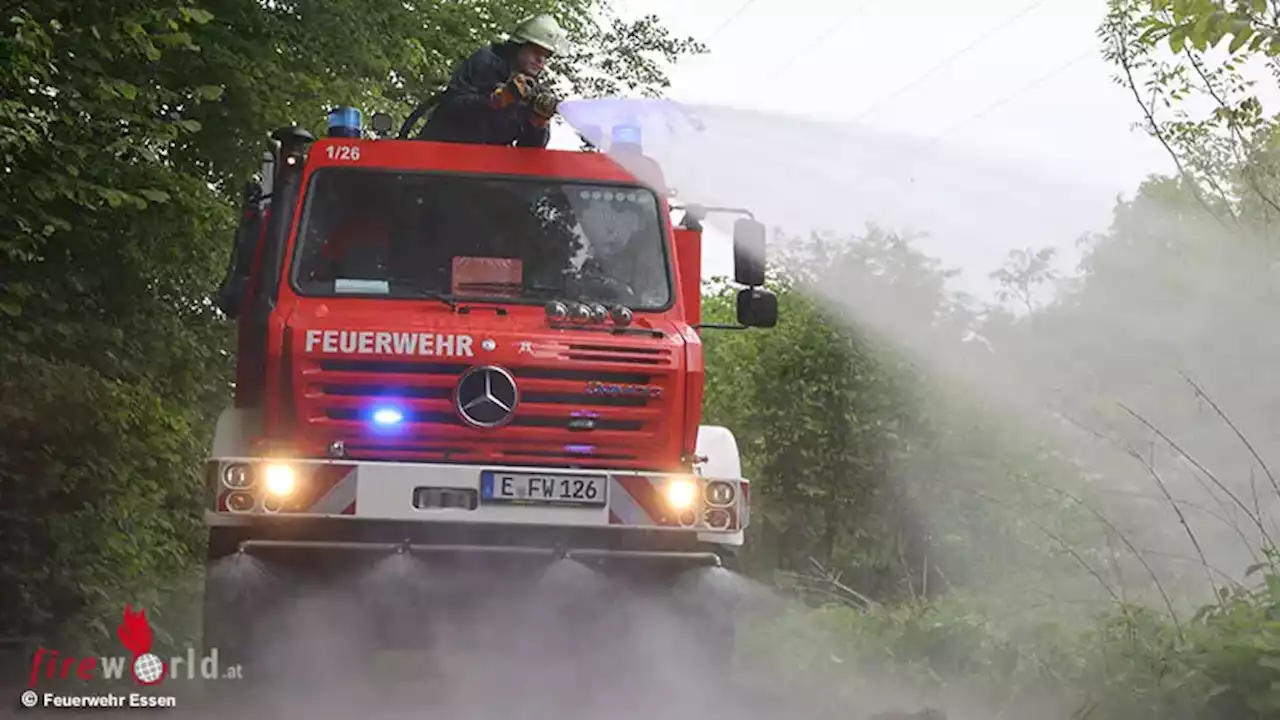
point(543, 31)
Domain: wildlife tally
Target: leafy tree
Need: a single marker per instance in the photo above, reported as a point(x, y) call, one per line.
point(1022, 275)
point(1164, 312)
point(1160, 328)
point(867, 454)
point(126, 129)
point(1225, 151)
point(1203, 24)
point(817, 418)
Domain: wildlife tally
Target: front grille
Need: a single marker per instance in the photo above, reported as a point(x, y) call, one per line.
point(556, 423)
point(454, 370)
point(609, 353)
point(449, 418)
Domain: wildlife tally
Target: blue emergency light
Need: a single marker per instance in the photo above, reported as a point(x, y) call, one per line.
point(387, 417)
point(345, 122)
point(625, 135)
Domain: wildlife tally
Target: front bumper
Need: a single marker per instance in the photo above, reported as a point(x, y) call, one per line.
point(346, 491)
point(348, 542)
point(586, 554)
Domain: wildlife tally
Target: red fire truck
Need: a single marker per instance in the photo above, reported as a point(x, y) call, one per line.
point(461, 351)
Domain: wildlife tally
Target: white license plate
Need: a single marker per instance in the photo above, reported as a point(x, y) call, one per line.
point(537, 489)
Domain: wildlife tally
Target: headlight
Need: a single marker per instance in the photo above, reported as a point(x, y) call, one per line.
point(239, 502)
point(237, 477)
point(718, 518)
point(719, 493)
point(681, 493)
point(280, 479)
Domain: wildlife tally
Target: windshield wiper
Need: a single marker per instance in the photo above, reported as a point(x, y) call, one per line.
point(537, 289)
point(440, 295)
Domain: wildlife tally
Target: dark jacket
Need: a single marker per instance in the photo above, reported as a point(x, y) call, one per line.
point(464, 115)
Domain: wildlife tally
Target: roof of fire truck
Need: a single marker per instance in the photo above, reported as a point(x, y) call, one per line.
point(623, 164)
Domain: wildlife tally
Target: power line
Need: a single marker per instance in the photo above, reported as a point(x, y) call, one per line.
point(906, 164)
point(812, 44)
point(950, 59)
point(729, 20)
point(1020, 91)
point(909, 166)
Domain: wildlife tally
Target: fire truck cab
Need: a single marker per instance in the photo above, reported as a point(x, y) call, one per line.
point(449, 349)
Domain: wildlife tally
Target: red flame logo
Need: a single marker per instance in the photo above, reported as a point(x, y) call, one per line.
point(135, 634)
point(135, 631)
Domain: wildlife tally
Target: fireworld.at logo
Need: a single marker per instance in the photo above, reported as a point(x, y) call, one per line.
point(145, 667)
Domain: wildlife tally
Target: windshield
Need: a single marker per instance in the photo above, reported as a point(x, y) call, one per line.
point(519, 240)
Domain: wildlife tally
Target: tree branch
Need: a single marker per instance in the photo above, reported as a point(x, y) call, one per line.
point(1209, 474)
point(1153, 128)
point(1240, 435)
point(1233, 126)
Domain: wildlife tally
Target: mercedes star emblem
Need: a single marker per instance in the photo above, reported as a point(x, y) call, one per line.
point(486, 396)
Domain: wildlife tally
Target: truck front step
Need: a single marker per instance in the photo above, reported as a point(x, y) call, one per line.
point(592, 556)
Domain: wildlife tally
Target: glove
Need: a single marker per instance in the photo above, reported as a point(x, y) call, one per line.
point(544, 107)
point(514, 90)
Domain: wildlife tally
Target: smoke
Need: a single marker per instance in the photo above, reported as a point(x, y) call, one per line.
point(394, 636)
point(1137, 385)
point(803, 175)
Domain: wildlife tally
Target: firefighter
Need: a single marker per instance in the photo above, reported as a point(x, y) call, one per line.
point(495, 98)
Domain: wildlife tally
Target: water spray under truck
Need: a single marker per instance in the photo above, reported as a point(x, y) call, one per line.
point(473, 354)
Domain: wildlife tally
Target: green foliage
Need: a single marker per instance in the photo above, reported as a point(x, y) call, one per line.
point(1221, 665)
point(935, 508)
point(1023, 274)
point(1133, 663)
point(1203, 24)
point(1153, 352)
point(933, 652)
point(100, 485)
point(126, 129)
point(1225, 146)
point(865, 461)
point(1159, 298)
point(1092, 470)
point(818, 418)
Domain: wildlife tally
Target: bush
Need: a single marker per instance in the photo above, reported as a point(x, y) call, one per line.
point(1222, 664)
point(1133, 663)
point(99, 489)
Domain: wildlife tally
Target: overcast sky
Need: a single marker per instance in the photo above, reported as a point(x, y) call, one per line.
point(1016, 87)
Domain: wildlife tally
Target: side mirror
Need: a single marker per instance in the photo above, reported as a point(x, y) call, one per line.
point(757, 307)
point(748, 253)
point(229, 298)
